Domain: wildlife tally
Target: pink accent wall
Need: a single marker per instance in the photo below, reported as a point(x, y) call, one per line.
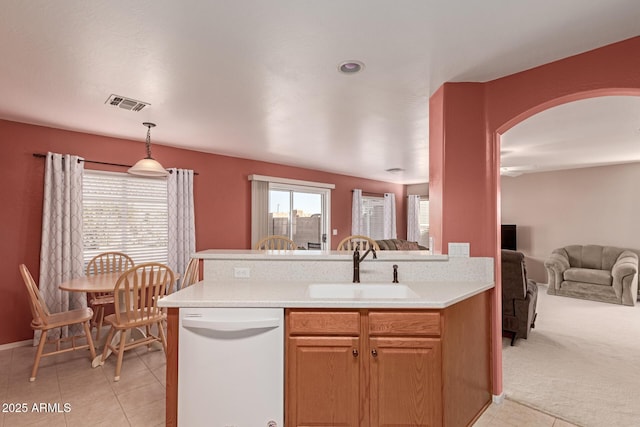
point(222, 200)
point(472, 117)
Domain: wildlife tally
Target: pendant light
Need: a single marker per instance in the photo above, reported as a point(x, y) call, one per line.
point(148, 166)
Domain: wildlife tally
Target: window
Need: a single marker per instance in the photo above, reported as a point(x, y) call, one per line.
point(299, 210)
point(125, 213)
point(373, 217)
point(424, 223)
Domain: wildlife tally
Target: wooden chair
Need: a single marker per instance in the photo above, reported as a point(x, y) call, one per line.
point(352, 242)
point(106, 262)
point(44, 321)
point(191, 274)
point(136, 295)
point(276, 243)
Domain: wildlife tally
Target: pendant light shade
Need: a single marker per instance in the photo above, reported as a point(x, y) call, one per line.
point(148, 166)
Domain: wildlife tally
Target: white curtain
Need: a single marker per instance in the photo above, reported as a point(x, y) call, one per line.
point(259, 210)
point(413, 218)
point(357, 225)
point(61, 248)
point(182, 229)
point(389, 212)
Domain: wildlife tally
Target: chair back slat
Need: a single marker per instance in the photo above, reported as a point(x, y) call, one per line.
point(276, 243)
point(140, 288)
point(191, 274)
point(359, 242)
point(37, 304)
point(109, 262)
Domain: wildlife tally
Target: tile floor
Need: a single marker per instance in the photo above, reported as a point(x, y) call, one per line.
point(94, 399)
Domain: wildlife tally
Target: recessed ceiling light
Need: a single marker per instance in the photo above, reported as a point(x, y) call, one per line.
point(350, 67)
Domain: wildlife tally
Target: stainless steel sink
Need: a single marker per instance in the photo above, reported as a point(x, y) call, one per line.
point(360, 291)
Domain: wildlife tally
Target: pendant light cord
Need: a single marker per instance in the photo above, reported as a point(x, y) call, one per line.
point(149, 141)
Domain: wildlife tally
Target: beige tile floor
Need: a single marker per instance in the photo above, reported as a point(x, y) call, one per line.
point(94, 399)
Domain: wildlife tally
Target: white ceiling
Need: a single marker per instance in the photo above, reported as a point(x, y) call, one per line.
point(258, 79)
point(591, 132)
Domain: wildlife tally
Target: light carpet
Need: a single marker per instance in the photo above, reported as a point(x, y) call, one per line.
point(580, 363)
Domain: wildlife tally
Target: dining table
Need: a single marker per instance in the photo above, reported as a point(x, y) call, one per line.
point(103, 282)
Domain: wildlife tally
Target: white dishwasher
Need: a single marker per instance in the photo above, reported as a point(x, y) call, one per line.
point(231, 367)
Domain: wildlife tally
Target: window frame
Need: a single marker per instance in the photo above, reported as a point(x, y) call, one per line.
point(325, 195)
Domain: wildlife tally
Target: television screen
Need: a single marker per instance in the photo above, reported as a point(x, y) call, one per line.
point(509, 237)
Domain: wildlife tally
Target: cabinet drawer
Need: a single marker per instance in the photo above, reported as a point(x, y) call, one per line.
point(324, 322)
point(404, 322)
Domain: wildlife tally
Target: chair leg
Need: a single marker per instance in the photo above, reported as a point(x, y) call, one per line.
point(123, 342)
point(148, 332)
point(99, 316)
point(87, 332)
point(513, 338)
point(107, 345)
point(36, 362)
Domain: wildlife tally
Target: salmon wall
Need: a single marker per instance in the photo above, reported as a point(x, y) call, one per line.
point(222, 195)
point(470, 117)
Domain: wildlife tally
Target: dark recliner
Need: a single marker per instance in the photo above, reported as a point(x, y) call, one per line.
point(519, 296)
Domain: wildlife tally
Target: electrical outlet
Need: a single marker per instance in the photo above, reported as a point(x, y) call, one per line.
point(241, 273)
point(459, 249)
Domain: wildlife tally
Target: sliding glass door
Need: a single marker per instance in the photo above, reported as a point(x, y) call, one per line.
point(300, 213)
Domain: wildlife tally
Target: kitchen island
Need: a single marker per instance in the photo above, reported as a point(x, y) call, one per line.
point(359, 358)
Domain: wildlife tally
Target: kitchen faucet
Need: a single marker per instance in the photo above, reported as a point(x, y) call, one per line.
point(357, 260)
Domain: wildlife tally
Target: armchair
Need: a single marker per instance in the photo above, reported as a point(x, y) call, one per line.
point(519, 296)
point(599, 273)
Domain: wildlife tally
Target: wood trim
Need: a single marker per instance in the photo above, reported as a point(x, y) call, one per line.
point(290, 181)
point(173, 322)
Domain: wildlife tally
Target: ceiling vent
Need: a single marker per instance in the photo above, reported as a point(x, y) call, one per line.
point(126, 103)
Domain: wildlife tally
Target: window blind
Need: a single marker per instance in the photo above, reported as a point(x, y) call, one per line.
point(373, 216)
point(125, 213)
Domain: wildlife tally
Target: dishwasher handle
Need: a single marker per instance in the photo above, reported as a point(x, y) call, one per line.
point(230, 325)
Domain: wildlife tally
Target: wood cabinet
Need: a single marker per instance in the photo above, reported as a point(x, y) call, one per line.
point(404, 368)
point(326, 371)
point(323, 361)
point(387, 367)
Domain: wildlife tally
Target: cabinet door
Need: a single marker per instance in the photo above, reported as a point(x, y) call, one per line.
point(406, 382)
point(323, 381)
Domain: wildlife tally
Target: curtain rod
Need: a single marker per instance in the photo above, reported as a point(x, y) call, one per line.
point(367, 193)
point(40, 155)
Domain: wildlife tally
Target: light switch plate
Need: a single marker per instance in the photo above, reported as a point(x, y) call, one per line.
point(459, 249)
point(335, 231)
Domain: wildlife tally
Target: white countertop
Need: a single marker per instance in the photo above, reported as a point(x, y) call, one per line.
point(436, 295)
point(315, 255)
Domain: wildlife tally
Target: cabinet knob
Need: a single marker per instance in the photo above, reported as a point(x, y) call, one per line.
point(355, 352)
point(374, 352)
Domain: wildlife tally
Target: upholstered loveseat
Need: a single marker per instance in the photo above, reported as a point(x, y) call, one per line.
point(399, 245)
point(600, 273)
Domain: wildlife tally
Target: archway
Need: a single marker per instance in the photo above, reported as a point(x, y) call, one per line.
point(466, 121)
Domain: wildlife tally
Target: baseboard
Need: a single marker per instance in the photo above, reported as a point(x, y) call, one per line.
point(16, 344)
point(498, 399)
